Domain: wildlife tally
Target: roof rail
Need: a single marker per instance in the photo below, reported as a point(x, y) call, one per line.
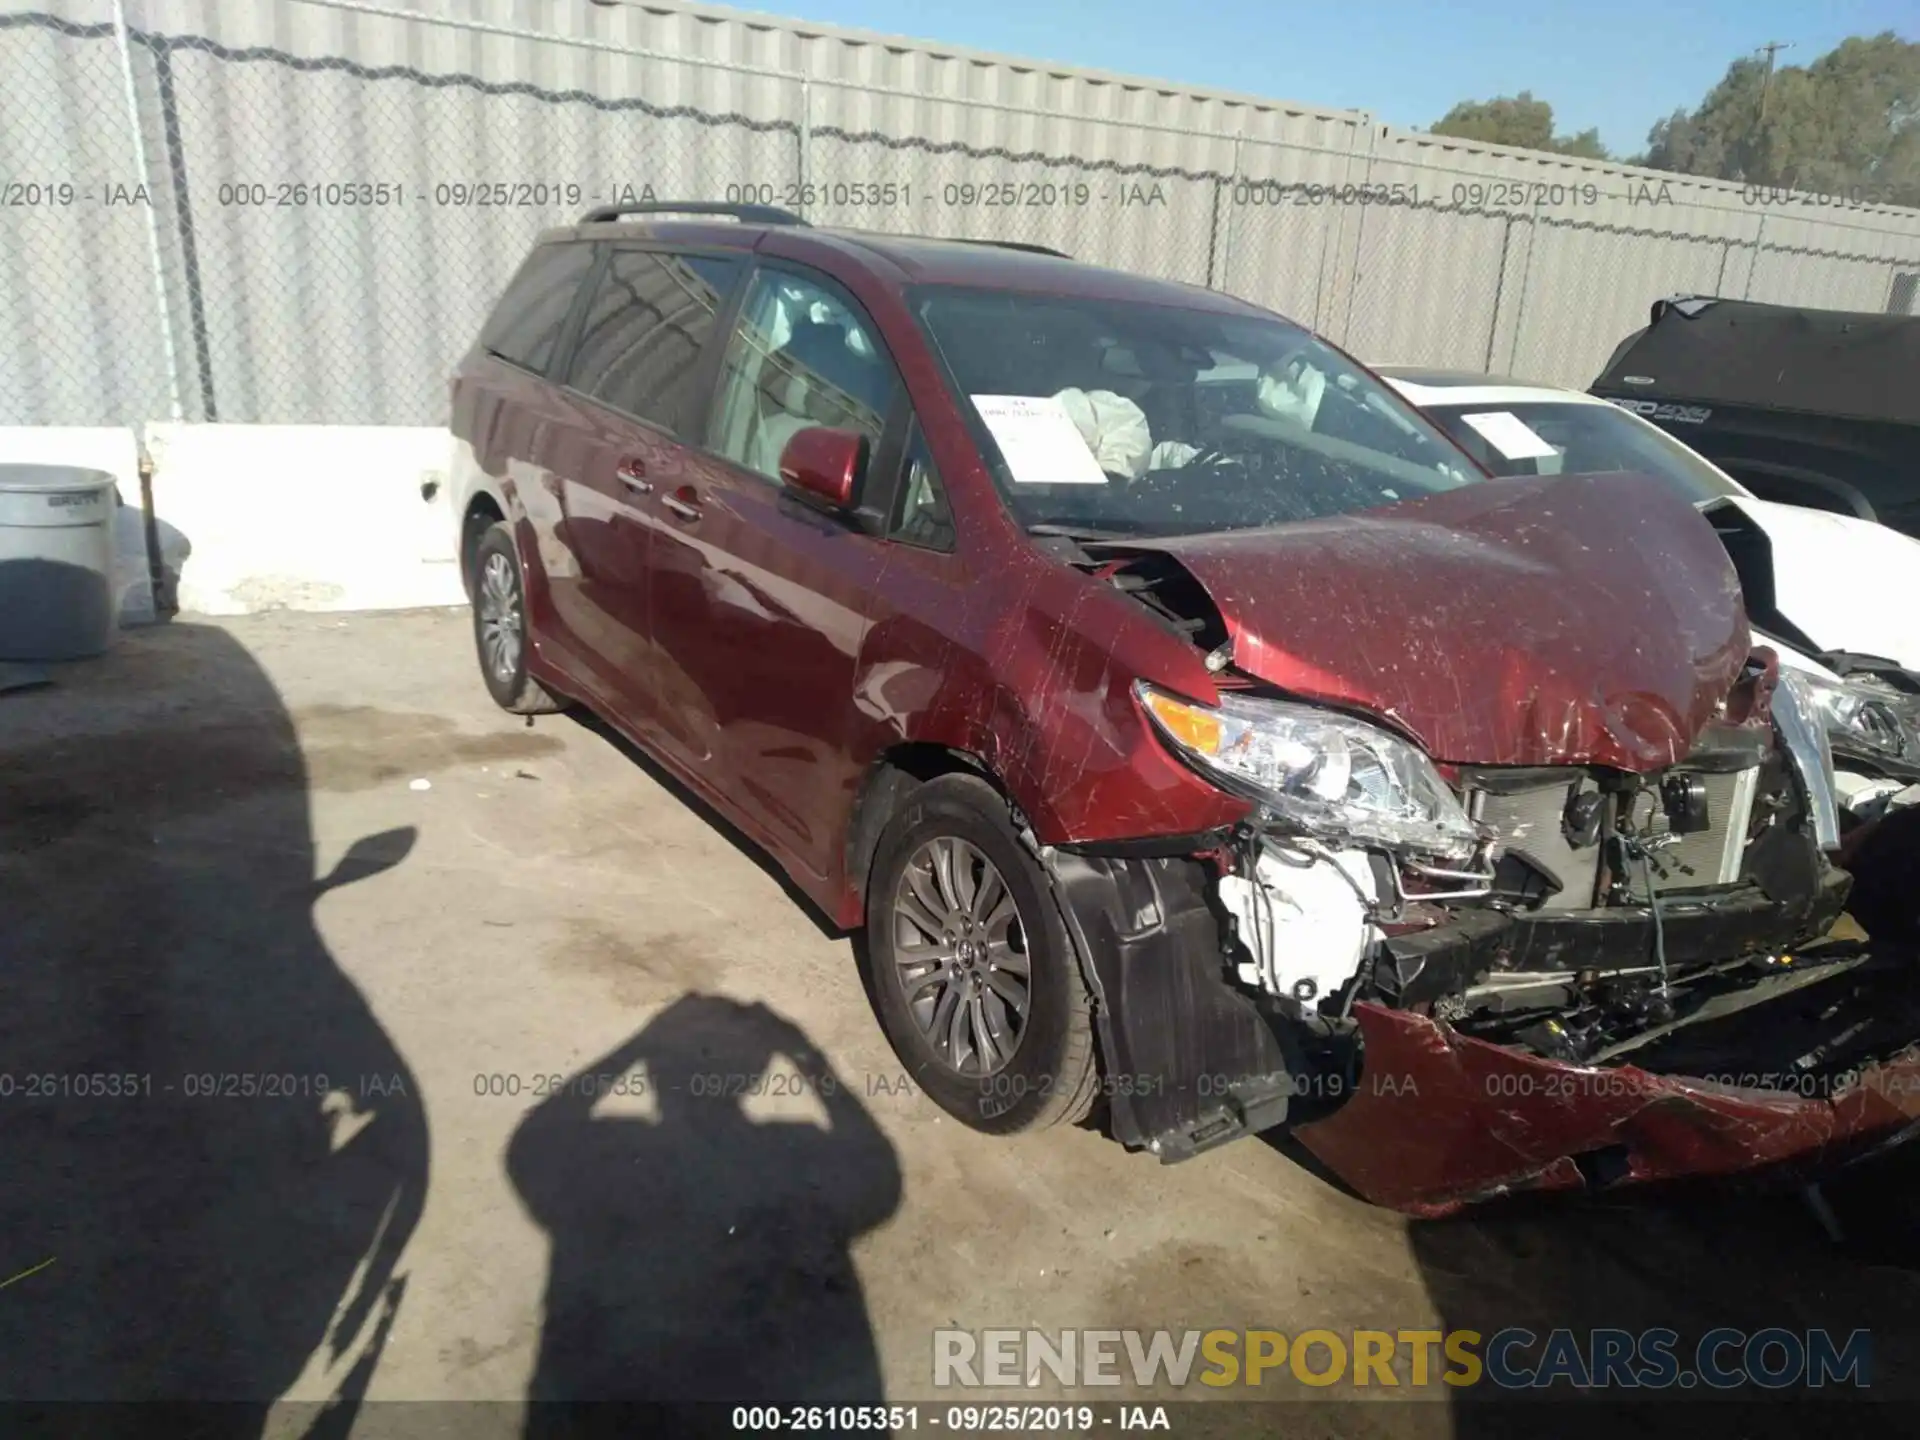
point(1006, 245)
point(746, 214)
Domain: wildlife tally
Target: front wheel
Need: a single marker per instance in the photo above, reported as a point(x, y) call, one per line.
point(975, 980)
point(500, 626)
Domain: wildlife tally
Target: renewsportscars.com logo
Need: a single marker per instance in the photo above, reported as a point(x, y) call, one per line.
point(1511, 1359)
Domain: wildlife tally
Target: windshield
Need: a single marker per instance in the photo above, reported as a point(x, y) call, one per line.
point(1158, 420)
point(1555, 437)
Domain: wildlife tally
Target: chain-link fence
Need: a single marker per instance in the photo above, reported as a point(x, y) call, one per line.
point(300, 212)
point(83, 337)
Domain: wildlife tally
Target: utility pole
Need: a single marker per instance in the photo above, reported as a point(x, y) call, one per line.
point(1770, 49)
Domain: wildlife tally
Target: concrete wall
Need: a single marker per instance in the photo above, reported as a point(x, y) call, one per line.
point(272, 517)
point(308, 517)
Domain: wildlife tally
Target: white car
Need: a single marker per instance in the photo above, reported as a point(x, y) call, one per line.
point(1830, 593)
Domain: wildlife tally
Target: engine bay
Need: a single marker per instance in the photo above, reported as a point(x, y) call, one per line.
point(1645, 902)
point(1603, 906)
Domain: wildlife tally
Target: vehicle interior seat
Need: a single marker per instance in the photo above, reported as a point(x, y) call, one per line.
point(1578, 456)
point(816, 378)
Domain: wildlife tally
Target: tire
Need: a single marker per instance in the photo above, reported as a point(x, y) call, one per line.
point(999, 1070)
point(500, 626)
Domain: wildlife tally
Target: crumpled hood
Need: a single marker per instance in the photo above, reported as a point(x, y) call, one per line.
point(1847, 583)
point(1588, 619)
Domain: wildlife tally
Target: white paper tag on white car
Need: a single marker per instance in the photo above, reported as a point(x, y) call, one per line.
point(1509, 434)
point(1042, 444)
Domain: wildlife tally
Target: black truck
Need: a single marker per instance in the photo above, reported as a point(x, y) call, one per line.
point(1809, 407)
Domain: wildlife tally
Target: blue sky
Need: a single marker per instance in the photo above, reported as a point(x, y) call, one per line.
point(1618, 66)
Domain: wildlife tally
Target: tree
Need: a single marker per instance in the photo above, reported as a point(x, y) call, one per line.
point(1849, 122)
point(1517, 120)
point(1586, 145)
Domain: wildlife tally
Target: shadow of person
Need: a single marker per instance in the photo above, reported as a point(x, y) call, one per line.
point(214, 1152)
point(701, 1254)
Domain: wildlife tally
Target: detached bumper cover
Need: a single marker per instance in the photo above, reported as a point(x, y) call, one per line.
point(1439, 1120)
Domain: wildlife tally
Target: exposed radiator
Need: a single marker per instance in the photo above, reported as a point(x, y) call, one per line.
point(1706, 857)
point(1532, 821)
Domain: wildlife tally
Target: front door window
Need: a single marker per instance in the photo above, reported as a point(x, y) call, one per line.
point(800, 356)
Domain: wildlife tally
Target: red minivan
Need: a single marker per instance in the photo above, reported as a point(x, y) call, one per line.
point(1188, 726)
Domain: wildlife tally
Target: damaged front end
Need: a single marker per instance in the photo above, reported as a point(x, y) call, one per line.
point(1453, 980)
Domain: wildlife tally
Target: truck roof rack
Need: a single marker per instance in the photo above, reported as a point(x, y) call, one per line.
point(746, 214)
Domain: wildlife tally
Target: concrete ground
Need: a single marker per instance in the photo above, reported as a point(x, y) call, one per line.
point(306, 949)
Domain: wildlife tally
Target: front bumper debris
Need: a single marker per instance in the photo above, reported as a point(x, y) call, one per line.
point(1420, 1117)
point(1438, 1120)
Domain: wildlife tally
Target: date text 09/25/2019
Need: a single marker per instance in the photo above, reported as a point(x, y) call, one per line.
point(82, 1086)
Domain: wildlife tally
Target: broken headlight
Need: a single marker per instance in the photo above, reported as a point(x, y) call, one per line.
point(1324, 774)
point(1865, 717)
point(1798, 716)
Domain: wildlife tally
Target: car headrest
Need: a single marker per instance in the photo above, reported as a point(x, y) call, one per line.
point(822, 348)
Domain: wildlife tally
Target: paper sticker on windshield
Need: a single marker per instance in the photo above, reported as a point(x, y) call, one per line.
point(1508, 434)
point(1042, 444)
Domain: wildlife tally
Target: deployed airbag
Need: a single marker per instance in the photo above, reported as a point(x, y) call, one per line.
point(1114, 428)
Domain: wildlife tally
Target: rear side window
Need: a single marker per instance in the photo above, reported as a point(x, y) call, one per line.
point(525, 326)
point(649, 322)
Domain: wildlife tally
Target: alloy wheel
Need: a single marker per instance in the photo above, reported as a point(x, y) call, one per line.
point(961, 948)
point(500, 620)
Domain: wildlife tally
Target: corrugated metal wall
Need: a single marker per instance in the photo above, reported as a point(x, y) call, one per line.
point(335, 191)
point(82, 339)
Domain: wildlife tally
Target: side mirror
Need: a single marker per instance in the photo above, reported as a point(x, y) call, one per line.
point(824, 463)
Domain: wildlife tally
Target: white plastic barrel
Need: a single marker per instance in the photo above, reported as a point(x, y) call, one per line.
point(56, 562)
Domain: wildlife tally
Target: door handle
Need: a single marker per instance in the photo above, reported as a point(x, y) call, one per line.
point(633, 474)
point(685, 509)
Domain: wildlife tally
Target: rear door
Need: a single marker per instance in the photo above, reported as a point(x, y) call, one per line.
point(759, 601)
point(637, 375)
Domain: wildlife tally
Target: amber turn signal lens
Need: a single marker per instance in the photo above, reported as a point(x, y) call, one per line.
point(1193, 726)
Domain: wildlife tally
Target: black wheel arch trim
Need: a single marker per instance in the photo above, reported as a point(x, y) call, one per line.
point(1190, 1061)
